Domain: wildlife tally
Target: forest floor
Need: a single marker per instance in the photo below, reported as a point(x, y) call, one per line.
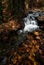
point(29, 52)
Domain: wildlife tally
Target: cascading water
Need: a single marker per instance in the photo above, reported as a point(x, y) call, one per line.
point(30, 24)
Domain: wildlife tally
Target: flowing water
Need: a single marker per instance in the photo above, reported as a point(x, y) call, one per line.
point(30, 23)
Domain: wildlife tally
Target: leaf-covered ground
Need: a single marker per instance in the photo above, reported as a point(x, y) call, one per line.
point(29, 52)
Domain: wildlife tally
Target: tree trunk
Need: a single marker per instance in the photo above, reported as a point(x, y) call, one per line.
point(7, 10)
point(0, 12)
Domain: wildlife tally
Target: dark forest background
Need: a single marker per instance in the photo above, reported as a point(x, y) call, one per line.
point(10, 9)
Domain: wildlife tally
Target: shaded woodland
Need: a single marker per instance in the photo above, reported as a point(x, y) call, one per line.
point(15, 48)
point(17, 8)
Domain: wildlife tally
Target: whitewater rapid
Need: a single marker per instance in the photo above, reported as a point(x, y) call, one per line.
point(30, 25)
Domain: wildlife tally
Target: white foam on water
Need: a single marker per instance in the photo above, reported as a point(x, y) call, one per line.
point(30, 28)
point(30, 25)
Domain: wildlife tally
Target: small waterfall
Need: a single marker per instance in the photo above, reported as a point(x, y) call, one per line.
point(30, 24)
